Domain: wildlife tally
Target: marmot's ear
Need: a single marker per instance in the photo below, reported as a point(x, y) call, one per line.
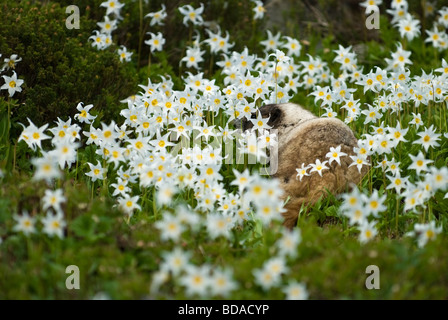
point(275, 115)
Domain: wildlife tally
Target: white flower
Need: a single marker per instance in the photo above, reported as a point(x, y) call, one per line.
point(33, 135)
point(129, 204)
point(25, 223)
point(219, 225)
point(368, 231)
point(265, 278)
point(54, 224)
point(276, 266)
point(46, 167)
point(268, 210)
point(287, 244)
point(65, 152)
point(359, 161)
point(425, 232)
point(96, 172)
point(375, 203)
point(196, 280)
point(113, 6)
point(428, 138)
point(318, 167)
point(53, 199)
point(193, 57)
point(176, 260)
point(83, 115)
point(108, 26)
point(259, 10)
point(156, 42)
point(302, 172)
point(166, 193)
point(419, 162)
point(124, 54)
point(120, 187)
point(157, 17)
point(221, 282)
point(170, 227)
point(192, 15)
point(335, 154)
point(295, 291)
point(10, 63)
point(12, 84)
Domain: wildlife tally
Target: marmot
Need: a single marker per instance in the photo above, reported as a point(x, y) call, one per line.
point(304, 138)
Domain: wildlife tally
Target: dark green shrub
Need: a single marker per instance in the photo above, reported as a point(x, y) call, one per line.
point(59, 66)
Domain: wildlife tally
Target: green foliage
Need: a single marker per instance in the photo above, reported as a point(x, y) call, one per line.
point(119, 256)
point(59, 65)
point(119, 259)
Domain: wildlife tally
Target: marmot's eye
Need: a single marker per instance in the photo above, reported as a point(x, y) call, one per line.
point(253, 116)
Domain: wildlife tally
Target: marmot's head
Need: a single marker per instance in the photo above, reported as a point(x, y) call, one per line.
point(280, 116)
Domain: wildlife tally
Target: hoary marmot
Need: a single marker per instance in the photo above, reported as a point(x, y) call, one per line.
point(304, 138)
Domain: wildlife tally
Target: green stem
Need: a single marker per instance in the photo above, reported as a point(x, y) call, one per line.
point(141, 35)
point(14, 158)
point(396, 215)
point(211, 65)
point(105, 191)
point(149, 63)
point(154, 205)
point(77, 161)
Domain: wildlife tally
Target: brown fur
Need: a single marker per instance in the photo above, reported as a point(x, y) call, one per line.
point(304, 138)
